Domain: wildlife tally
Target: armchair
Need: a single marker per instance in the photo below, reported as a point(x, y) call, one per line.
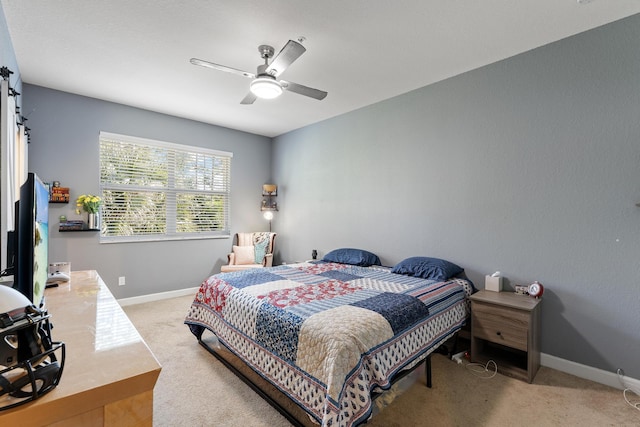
point(253, 250)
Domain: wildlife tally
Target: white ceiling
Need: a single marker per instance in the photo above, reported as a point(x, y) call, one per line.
point(360, 51)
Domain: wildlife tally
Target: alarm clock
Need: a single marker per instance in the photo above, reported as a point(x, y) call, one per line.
point(536, 289)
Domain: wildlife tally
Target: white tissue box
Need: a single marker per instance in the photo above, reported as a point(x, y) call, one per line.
point(493, 283)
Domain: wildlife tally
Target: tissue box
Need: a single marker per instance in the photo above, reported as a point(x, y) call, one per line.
point(493, 283)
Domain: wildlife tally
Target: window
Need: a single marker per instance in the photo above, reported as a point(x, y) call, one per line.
point(156, 190)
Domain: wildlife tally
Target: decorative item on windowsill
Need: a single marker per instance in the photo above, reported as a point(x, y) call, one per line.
point(90, 204)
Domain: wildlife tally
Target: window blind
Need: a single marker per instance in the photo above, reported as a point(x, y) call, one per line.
point(155, 190)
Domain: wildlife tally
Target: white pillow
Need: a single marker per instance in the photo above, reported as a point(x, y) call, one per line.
point(244, 255)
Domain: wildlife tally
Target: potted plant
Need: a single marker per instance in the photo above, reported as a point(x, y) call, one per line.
point(90, 204)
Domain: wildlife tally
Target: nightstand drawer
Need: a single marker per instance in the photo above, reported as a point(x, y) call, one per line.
point(500, 325)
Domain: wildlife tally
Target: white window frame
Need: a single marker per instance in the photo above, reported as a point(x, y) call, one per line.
point(169, 191)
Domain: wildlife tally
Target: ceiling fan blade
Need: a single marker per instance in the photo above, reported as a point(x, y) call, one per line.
point(303, 90)
point(249, 99)
point(289, 53)
point(207, 64)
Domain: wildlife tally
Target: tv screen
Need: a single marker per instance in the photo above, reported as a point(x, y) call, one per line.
point(32, 240)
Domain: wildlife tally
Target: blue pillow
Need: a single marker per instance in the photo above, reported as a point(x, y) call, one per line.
point(427, 268)
point(353, 257)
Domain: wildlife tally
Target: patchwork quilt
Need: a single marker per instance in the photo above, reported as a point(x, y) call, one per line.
point(328, 334)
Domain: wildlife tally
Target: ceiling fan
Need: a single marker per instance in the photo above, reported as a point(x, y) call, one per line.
point(265, 84)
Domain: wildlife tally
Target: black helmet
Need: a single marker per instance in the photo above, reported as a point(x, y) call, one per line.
point(29, 367)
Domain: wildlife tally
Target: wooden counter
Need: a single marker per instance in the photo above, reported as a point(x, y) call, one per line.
point(109, 374)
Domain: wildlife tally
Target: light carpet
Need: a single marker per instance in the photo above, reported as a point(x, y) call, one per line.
point(195, 389)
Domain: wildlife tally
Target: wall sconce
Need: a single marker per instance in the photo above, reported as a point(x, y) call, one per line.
point(269, 192)
point(269, 205)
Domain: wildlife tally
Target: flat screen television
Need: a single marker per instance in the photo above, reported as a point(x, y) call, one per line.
point(31, 238)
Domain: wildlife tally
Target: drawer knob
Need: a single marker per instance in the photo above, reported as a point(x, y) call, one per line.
point(498, 333)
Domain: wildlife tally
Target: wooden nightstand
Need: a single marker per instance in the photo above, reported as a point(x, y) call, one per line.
point(505, 328)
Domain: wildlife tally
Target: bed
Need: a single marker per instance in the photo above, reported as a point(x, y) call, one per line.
point(328, 336)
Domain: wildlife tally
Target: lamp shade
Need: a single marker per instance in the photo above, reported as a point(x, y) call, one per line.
point(265, 87)
point(269, 188)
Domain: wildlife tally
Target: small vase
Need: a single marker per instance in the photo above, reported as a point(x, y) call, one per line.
point(94, 221)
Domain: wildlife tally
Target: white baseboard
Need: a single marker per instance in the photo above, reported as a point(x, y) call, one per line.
point(611, 379)
point(157, 297)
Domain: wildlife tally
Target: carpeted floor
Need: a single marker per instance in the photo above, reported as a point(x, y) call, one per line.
point(194, 389)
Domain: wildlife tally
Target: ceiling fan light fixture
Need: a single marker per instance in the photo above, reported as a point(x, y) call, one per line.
point(265, 87)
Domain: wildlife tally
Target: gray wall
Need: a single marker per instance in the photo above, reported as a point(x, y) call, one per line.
point(64, 147)
point(530, 166)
